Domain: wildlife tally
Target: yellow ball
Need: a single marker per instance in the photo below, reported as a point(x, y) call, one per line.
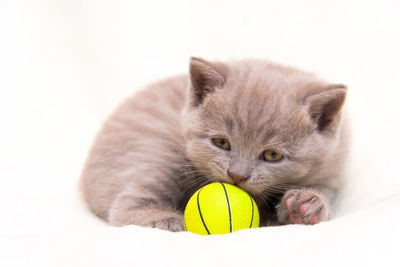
point(220, 208)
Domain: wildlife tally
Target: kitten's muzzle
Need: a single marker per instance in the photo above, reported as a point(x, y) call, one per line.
point(237, 178)
point(239, 171)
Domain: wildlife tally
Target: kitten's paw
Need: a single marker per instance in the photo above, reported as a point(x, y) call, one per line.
point(303, 206)
point(174, 224)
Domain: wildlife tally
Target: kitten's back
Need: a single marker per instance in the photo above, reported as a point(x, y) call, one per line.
point(143, 133)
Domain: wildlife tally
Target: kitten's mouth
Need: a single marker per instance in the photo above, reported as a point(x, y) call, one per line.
point(243, 184)
point(227, 180)
point(246, 186)
point(239, 183)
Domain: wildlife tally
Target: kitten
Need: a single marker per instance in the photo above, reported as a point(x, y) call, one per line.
point(272, 130)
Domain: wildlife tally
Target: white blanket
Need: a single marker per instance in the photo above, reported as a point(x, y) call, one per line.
point(64, 65)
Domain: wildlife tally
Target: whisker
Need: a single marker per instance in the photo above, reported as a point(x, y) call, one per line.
point(265, 199)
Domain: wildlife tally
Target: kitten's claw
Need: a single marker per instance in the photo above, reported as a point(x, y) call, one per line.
point(303, 206)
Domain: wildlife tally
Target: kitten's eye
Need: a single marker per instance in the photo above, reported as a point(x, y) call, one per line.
point(222, 143)
point(271, 156)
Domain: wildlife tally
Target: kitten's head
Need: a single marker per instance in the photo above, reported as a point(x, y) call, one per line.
point(259, 125)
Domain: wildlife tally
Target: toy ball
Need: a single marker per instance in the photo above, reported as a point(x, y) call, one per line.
point(220, 208)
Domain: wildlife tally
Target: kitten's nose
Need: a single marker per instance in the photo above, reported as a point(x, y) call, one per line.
point(239, 171)
point(237, 178)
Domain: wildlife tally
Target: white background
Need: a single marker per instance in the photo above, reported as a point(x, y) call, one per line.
point(64, 65)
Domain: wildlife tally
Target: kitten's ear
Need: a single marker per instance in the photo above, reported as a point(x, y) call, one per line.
point(324, 107)
point(205, 77)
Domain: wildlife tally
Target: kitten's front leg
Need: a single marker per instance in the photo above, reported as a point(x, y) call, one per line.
point(148, 210)
point(303, 206)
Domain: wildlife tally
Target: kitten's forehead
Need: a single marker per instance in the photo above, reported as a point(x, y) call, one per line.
point(268, 78)
point(260, 103)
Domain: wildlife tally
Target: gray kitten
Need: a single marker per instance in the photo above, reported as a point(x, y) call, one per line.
point(272, 130)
